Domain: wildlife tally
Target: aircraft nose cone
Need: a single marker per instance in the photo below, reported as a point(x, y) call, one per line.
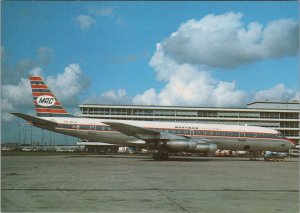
point(292, 143)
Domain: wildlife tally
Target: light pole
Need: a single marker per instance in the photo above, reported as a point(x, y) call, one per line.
point(19, 124)
point(43, 137)
point(31, 134)
point(50, 138)
point(24, 140)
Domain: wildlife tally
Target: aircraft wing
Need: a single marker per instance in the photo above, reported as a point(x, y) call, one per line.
point(35, 120)
point(140, 132)
point(131, 130)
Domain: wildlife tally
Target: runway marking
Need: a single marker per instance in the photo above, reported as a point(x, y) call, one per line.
point(154, 189)
point(163, 194)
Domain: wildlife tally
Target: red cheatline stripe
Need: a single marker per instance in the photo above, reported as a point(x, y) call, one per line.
point(39, 86)
point(35, 94)
point(32, 78)
point(50, 110)
point(58, 111)
point(42, 110)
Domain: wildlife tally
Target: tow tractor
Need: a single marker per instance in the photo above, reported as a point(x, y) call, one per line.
point(274, 156)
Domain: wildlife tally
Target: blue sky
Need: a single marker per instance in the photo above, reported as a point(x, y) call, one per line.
point(113, 52)
point(30, 25)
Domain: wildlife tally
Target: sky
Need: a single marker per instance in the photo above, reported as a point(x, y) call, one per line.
point(214, 54)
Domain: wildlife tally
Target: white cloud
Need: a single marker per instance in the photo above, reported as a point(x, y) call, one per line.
point(297, 97)
point(36, 71)
point(85, 21)
point(110, 97)
point(113, 95)
point(190, 87)
point(224, 41)
point(221, 41)
point(15, 97)
point(149, 97)
point(278, 93)
point(96, 13)
point(68, 85)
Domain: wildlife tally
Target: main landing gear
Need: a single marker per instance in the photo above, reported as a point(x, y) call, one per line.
point(160, 156)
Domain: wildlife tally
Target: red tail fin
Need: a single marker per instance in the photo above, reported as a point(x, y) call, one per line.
point(46, 104)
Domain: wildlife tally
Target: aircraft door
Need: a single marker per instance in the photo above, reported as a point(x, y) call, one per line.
point(242, 135)
point(93, 127)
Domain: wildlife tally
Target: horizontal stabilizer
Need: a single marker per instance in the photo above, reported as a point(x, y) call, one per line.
point(35, 120)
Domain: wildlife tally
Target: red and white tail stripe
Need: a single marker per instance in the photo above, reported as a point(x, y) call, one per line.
point(46, 104)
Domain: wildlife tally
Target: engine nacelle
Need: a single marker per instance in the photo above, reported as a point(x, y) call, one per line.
point(206, 147)
point(190, 145)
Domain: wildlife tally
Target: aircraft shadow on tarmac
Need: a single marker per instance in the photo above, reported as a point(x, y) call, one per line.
point(195, 159)
point(179, 159)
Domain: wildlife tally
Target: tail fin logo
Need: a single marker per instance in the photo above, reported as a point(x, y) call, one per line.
point(45, 100)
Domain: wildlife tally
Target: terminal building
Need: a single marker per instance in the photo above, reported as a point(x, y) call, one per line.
point(282, 116)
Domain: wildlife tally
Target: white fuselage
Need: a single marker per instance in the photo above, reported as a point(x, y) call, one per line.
point(229, 137)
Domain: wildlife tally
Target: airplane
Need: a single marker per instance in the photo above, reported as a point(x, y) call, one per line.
point(161, 137)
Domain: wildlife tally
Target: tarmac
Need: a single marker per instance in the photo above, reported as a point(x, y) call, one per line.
point(117, 183)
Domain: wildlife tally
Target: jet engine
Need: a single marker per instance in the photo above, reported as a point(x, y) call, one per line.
point(190, 145)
